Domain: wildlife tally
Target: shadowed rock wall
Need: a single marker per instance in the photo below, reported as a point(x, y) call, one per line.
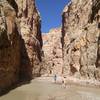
point(20, 41)
point(9, 45)
point(30, 29)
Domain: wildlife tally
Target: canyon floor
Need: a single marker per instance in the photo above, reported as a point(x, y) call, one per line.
point(45, 89)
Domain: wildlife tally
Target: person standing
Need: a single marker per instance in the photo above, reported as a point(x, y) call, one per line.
point(55, 78)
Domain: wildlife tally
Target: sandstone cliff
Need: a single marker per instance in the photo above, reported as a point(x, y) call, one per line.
point(53, 51)
point(20, 41)
point(9, 45)
point(30, 30)
point(81, 39)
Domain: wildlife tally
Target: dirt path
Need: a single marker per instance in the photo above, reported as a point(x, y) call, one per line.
point(46, 89)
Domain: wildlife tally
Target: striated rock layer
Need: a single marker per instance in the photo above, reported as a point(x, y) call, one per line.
point(20, 41)
point(53, 51)
point(81, 39)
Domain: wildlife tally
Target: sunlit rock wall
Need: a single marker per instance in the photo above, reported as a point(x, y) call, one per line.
point(81, 39)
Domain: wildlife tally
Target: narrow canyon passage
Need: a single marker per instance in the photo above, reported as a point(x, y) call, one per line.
point(69, 51)
point(46, 89)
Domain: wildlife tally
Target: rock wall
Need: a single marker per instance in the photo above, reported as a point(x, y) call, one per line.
point(53, 51)
point(20, 41)
point(9, 45)
point(81, 39)
point(30, 29)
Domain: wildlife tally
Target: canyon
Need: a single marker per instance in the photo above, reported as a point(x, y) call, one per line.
point(71, 50)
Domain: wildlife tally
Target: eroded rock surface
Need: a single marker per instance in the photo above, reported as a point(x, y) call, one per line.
point(81, 39)
point(30, 29)
point(20, 41)
point(53, 51)
point(9, 45)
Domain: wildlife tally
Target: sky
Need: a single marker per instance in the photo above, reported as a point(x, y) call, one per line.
point(50, 12)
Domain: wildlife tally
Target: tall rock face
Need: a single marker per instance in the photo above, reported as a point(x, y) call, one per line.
point(30, 29)
point(20, 41)
point(52, 51)
point(81, 39)
point(9, 45)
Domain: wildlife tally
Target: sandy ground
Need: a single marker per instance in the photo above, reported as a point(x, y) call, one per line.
point(44, 88)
